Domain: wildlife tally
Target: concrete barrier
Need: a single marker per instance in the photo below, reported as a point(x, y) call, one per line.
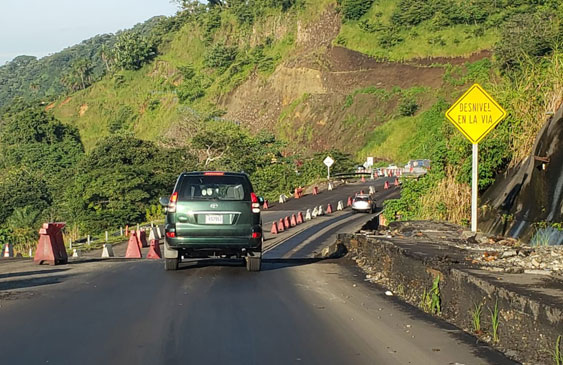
point(107, 251)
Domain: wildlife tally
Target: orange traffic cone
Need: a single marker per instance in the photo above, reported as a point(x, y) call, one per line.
point(363, 179)
point(349, 202)
point(274, 229)
point(154, 250)
point(133, 247)
point(286, 224)
point(293, 221)
point(265, 205)
point(328, 209)
point(386, 186)
point(280, 225)
point(299, 217)
point(396, 183)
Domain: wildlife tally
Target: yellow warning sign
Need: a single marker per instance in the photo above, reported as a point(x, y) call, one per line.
point(475, 113)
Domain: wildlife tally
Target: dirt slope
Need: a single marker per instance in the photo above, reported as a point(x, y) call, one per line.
point(303, 100)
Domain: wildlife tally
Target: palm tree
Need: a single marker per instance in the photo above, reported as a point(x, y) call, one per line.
point(105, 54)
point(83, 69)
point(22, 222)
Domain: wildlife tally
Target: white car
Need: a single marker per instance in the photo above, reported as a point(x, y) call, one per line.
point(363, 203)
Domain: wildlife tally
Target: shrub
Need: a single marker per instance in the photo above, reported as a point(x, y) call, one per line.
point(524, 36)
point(121, 121)
point(355, 9)
point(390, 37)
point(412, 12)
point(408, 107)
point(220, 56)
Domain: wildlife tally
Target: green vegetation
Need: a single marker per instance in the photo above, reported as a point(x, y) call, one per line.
point(92, 135)
point(495, 320)
point(47, 176)
point(557, 353)
point(354, 9)
point(410, 29)
point(431, 300)
point(476, 317)
point(76, 67)
point(516, 88)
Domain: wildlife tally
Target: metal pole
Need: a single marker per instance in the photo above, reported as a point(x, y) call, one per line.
point(328, 176)
point(474, 187)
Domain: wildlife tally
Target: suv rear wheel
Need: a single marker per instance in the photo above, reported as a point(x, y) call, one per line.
point(171, 264)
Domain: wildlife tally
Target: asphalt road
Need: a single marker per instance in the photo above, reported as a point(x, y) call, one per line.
point(297, 310)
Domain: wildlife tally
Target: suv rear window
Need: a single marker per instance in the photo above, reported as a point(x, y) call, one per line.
point(361, 199)
point(233, 188)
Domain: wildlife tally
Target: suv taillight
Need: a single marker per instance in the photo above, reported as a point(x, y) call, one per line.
point(172, 203)
point(255, 203)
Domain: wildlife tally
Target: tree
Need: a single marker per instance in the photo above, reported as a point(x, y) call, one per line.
point(122, 177)
point(106, 56)
point(132, 51)
point(224, 145)
point(23, 225)
point(21, 188)
point(30, 138)
point(82, 68)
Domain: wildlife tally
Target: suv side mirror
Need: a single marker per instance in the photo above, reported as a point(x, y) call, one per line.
point(164, 201)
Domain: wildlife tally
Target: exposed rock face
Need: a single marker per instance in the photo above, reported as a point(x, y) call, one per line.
point(532, 192)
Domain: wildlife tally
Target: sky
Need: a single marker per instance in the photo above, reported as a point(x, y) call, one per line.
point(41, 27)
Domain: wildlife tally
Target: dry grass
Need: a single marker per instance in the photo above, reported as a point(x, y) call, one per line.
point(530, 99)
point(448, 201)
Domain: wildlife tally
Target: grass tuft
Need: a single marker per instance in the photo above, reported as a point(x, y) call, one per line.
point(476, 317)
point(495, 321)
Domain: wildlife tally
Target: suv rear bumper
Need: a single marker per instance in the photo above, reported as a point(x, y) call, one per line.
point(173, 248)
point(213, 242)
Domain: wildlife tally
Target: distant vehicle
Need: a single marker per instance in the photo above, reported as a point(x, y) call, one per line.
point(363, 203)
point(213, 214)
point(418, 163)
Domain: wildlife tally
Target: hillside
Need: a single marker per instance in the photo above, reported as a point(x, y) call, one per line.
point(29, 78)
point(288, 69)
point(272, 87)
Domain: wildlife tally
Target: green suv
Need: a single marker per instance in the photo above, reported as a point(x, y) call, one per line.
point(213, 214)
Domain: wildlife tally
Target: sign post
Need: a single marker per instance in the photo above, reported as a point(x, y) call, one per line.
point(475, 114)
point(328, 161)
point(474, 186)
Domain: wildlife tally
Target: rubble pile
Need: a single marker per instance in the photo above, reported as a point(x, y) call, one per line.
point(492, 253)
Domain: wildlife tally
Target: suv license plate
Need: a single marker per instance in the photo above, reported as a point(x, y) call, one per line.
point(213, 219)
